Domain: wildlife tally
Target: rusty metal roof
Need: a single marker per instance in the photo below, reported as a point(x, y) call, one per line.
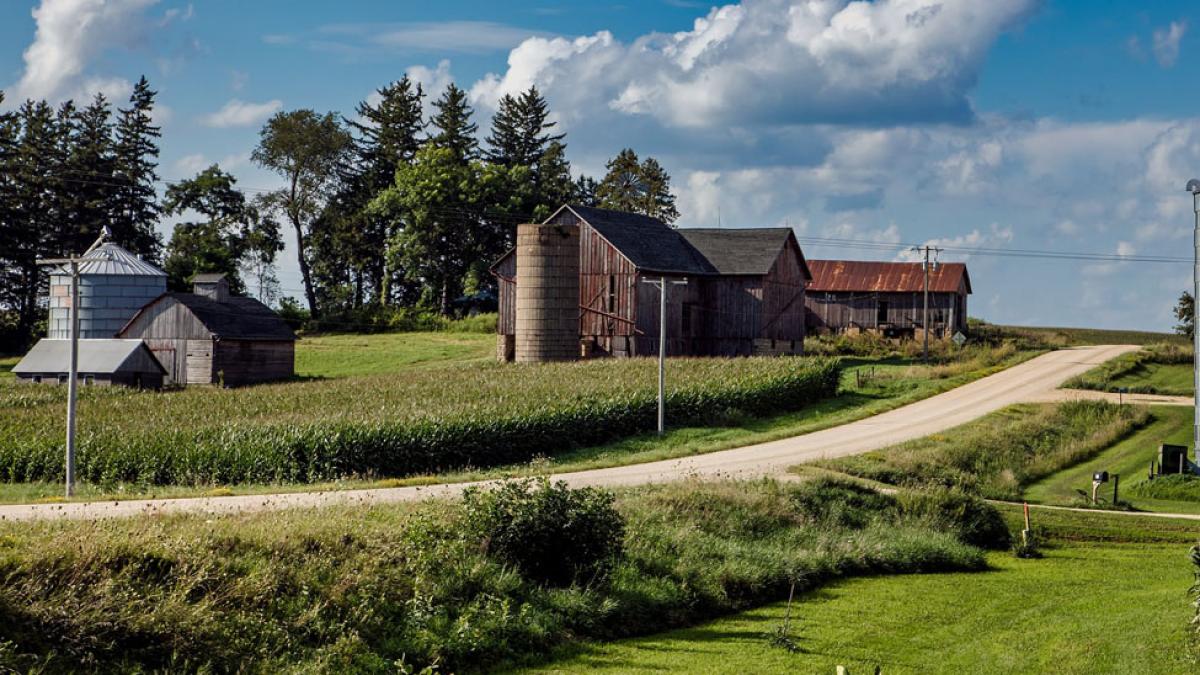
point(862, 276)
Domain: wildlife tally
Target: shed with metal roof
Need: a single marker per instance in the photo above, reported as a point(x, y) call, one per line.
point(888, 297)
point(210, 337)
point(100, 362)
point(744, 293)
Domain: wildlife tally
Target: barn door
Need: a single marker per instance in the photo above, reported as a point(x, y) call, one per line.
point(199, 361)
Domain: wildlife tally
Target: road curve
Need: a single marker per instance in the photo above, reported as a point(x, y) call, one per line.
point(1033, 380)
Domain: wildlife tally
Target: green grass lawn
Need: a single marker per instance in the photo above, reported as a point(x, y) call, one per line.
point(6, 365)
point(351, 355)
point(1169, 379)
point(1130, 458)
point(886, 384)
point(1081, 609)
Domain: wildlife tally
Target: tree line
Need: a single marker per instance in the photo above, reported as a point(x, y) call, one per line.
point(390, 210)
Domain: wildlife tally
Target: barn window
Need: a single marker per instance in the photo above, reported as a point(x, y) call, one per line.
point(881, 313)
point(612, 294)
point(62, 379)
point(37, 379)
point(89, 380)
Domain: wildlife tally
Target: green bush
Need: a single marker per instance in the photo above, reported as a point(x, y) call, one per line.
point(388, 425)
point(551, 533)
point(973, 520)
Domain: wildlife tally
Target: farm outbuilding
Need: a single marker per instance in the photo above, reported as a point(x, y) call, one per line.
point(577, 285)
point(212, 337)
point(113, 285)
point(886, 297)
point(100, 362)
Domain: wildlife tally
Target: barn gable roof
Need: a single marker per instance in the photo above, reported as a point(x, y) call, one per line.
point(95, 356)
point(649, 243)
point(234, 319)
point(742, 251)
point(860, 276)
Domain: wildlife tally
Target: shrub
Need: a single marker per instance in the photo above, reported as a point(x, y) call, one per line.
point(553, 534)
point(838, 502)
point(1181, 487)
point(973, 520)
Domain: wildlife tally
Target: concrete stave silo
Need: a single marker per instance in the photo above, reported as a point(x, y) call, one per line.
point(547, 293)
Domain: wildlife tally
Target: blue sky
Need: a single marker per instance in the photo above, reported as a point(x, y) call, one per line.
point(1024, 124)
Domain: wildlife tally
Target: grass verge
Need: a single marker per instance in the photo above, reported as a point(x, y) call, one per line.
point(1164, 369)
point(997, 456)
point(364, 589)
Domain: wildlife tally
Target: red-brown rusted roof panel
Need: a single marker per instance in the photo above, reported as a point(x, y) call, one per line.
point(861, 276)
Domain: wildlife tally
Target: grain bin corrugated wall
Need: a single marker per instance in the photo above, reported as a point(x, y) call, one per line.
point(113, 285)
point(547, 307)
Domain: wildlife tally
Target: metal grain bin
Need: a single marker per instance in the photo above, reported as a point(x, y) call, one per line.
point(547, 303)
point(113, 285)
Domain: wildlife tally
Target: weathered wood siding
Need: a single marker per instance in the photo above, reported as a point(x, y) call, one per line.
point(167, 326)
point(681, 300)
point(241, 362)
point(783, 314)
point(199, 362)
point(836, 312)
point(506, 282)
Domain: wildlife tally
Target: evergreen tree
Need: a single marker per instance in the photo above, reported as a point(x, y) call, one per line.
point(621, 188)
point(519, 130)
point(10, 234)
point(637, 187)
point(386, 139)
point(554, 186)
point(1184, 313)
point(584, 192)
point(34, 170)
point(453, 127)
point(657, 200)
point(89, 199)
point(135, 208)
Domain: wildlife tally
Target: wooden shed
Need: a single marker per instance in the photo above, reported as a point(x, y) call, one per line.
point(886, 297)
point(744, 293)
point(100, 362)
point(212, 337)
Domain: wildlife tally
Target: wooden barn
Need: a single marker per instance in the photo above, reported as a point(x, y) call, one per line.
point(744, 293)
point(886, 297)
point(212, 337)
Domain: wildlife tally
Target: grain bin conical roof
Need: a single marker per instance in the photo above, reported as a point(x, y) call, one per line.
point(111, 260)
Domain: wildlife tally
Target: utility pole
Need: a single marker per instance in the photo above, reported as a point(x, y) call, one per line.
point(661, 283)
point(925, 314)
point(72, 264)
point(1193, 186)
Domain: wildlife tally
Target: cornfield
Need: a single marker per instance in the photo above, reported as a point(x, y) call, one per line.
point(382, 425)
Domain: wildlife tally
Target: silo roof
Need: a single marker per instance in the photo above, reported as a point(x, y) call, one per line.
point(110, 259)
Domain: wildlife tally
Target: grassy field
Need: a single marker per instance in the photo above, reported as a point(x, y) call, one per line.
point(1170, 379)
point(358, 589)
point(882, 385)
point(357, 355)
point(1131, 459)
point(1157, 369)
point(1088, 336)
point(1081, 609)
point(999, 455)
point(6, 365)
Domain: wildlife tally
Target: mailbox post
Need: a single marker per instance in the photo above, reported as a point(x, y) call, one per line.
point(1098, 478)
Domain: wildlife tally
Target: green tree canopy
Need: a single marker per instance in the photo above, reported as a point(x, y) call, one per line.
point(136, 209)
point(452, 125)
point(637, 187)
point(306, 149)
point(230, 236)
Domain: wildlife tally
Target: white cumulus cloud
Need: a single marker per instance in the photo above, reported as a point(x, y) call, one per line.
point(773, 62)
point(70, 34)
point(238, 113)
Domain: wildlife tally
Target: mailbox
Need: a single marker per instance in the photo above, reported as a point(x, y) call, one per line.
point(1100, 477)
